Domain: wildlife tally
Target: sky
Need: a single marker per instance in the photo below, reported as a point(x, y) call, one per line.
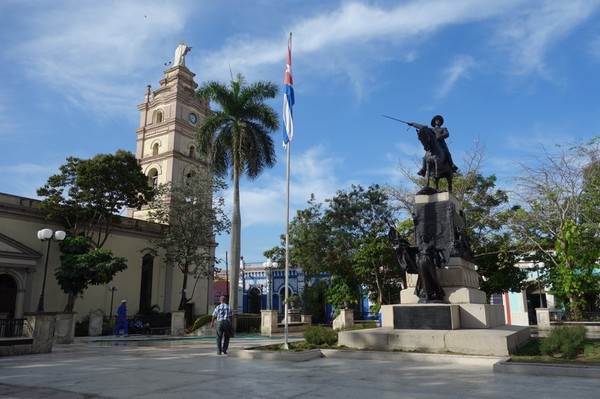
point(510, 74)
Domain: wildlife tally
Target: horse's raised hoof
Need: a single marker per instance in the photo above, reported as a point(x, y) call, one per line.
point(421, 172)
point(454, 168)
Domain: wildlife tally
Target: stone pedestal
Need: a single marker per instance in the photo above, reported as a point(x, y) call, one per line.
point(42, 325)
point(294, 316)
point(344, 320)
point(442, 316)
point(96, 323)
point(64, 330)
point(543, 318)
point(177, 322)
point(459, 280)
point(463, 322)
point(268, 322)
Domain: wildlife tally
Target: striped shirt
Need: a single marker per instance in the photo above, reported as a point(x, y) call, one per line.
point(222, 312)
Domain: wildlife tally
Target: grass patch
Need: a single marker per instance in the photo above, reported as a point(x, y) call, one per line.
point(532, 353)
point(320, 335)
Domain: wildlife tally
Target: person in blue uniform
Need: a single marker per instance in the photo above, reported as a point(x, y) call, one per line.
point(122, 319)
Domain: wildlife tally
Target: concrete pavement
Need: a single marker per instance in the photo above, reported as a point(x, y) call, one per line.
point(166, 368)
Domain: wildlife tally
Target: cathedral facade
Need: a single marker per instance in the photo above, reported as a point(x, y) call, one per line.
point(166, 151)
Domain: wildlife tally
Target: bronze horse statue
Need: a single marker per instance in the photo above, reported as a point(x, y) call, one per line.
point(435, 160)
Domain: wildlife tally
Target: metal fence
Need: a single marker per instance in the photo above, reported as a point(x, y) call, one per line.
point(247, 323)
point(561, 315)
point(158, 325)
point(14, 328)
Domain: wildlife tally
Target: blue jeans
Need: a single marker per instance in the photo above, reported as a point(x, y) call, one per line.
point(121, 323)
point(223, 330)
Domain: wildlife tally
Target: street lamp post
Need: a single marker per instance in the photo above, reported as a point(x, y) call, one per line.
point(269, 264)
point(47, 235)
point(112, 290)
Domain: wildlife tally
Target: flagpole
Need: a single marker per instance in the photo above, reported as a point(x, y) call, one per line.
point(289, 133)
point(287, 243)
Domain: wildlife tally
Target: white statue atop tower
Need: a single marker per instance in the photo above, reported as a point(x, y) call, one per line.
point(180, 53)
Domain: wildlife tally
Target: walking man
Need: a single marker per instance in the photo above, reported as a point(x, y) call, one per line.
point(122, 319)
point(222, 315)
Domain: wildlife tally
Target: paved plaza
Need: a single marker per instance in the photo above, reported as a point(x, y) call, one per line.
point(190, 368)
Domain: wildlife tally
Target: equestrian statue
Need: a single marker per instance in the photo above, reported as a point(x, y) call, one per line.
point(437, 161)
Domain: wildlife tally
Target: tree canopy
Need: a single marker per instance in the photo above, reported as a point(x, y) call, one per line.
point(194, 212)
point(559, 219)
point(88, 196)
point(347, 238)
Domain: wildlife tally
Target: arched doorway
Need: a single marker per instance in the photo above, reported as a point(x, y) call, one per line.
point(8, 296)
point(254, 300)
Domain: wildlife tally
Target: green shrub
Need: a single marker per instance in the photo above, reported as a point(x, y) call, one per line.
point(201, 321)
point(375, 308)
point(565, 340)
point(320, 335)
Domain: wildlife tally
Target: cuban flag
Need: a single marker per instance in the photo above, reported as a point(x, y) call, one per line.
point(288, 97)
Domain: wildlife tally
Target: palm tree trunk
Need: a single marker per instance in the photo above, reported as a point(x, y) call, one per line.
point(235, 244)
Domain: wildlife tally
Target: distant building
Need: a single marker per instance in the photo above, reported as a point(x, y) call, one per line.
point(519, 307)
point(263, 288)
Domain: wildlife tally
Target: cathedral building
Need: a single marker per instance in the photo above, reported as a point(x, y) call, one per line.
point(166, 151)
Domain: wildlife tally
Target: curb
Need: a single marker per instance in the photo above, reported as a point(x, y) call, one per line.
point(253, 354)
point(555, 370)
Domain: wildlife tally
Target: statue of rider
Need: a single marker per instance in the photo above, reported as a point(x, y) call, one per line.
point(441, 134)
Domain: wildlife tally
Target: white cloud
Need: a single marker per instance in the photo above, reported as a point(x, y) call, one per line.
point(530, 31)
point(344, 42)
point(311, 173)
point(96, 53)
point(458, 69)
point(99, 53)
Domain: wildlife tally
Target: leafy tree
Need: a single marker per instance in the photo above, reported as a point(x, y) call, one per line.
point(194, 212)
point(82, 266)
point(236, 140)
point(348, 240)
point(88, 196)
point(494, 249)
point(340, 293)
point(559, 219)
point(314, 300)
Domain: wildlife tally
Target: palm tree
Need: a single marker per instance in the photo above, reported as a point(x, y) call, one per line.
point(236, 138)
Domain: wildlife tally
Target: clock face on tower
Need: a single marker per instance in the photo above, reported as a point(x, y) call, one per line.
point(193, 118)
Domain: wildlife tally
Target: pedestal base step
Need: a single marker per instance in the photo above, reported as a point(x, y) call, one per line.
point(498, 341)
point(442, 316)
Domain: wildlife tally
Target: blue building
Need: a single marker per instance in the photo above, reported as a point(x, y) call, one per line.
point(262, 287)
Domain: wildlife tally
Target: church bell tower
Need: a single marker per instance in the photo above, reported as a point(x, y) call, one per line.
point(169, 118)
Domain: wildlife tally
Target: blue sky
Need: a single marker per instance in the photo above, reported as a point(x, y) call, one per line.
point(510, 73)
